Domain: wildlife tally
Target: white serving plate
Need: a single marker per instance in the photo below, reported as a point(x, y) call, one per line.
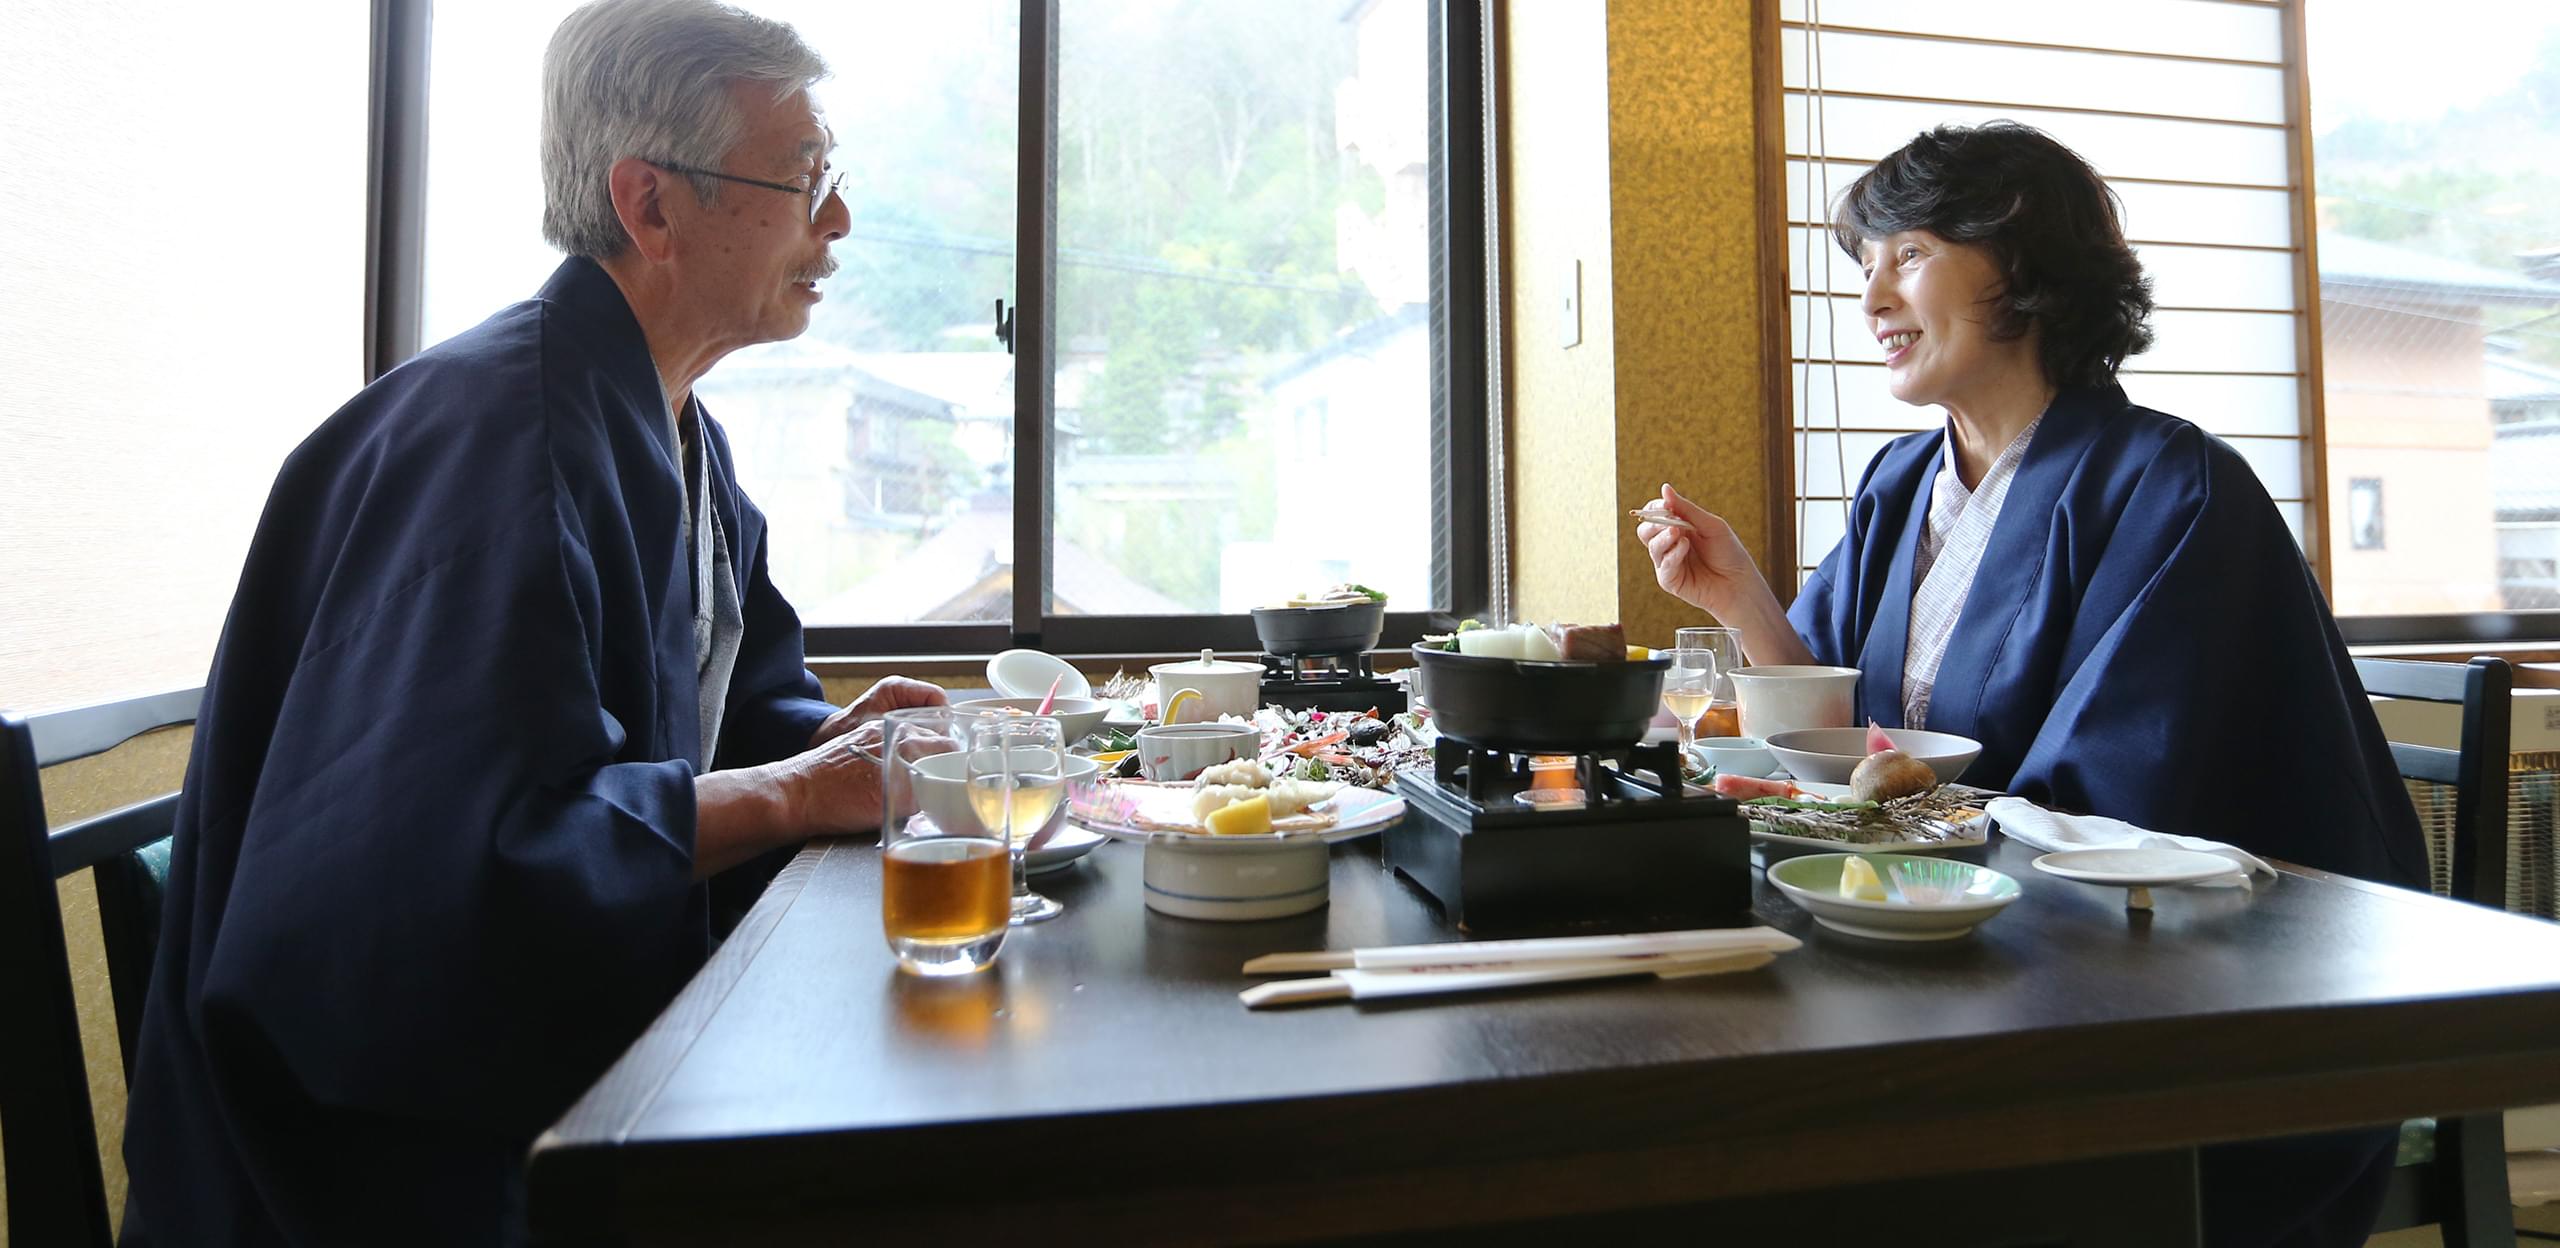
point(1971, 834)
point(1356, 812)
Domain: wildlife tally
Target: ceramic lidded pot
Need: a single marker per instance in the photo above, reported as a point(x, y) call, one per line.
point(1225, 687)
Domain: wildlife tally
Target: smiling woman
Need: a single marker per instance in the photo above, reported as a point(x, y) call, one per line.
point(2101, 594)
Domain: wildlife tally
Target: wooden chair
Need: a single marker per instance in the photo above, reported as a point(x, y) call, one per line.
point(2462, 1184)
point(48, 1134)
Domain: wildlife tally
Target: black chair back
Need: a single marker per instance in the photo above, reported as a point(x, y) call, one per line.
point(2477, 769)
point(2465, 1188)
point(48, 1131)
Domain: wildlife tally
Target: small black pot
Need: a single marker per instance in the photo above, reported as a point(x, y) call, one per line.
point(1518, 704)
point(1320, 630)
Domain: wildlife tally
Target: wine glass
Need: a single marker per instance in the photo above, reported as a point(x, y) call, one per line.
point(1722, 718)
point(1687, 688)
point(1017, 778)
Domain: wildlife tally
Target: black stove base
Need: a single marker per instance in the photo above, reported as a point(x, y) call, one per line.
point(1329, 682)
point(1569, 870)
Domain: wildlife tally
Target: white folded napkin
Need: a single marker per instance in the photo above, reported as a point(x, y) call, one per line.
point(2053, 832)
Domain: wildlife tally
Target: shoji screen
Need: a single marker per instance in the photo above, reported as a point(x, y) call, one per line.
point(2183, 105)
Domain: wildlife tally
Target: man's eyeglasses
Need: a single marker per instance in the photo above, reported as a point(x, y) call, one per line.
point(816, 193)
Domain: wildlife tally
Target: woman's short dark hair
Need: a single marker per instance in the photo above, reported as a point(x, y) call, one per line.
point(2053, 227)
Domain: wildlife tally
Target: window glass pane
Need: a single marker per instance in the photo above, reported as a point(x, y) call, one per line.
point(2120, 147)
point(880, 443)
point(1243, 378)
point(2439, 250)
point(2213, 28)
point(2207, 203)
point(165, 345)
point(1948, 69)
point(2154, 212)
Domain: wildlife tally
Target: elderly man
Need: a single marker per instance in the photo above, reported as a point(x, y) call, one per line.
point(504, 685)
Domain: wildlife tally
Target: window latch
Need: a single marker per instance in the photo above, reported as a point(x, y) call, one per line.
point(1004, 327)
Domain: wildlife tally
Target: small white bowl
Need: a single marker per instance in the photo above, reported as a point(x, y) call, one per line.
point(1077, 717)
point(1813, 883)
point(942, 787)
point(1226, 879)
point(1737, 756)
point(1831, 754)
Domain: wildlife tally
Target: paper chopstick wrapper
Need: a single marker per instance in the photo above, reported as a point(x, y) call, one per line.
point(1547, 949)
point(1362, 985)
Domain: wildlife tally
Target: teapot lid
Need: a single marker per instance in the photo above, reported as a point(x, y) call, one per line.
point(1208, 664)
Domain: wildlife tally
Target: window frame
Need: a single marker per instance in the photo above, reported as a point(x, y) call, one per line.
point(1460, 117)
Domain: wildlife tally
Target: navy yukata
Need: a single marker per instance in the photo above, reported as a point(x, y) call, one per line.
point(433, 867)
point(2143, 640)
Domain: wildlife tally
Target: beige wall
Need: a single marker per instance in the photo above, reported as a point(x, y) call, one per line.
point(1562, 400)
point(1629, 148)
point(2405, 404)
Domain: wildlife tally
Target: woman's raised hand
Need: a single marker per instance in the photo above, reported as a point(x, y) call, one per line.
point(1704, 564)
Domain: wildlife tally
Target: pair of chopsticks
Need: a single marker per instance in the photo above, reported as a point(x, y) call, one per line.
point(1484, 965)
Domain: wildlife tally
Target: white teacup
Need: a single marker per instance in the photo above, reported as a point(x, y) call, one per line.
point(1790, 696)
point(1178, 752)
point(942, 786)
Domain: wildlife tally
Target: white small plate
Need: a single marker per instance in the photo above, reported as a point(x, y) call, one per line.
point(1971, 834)
point(1027, 673)
point(1812, 882)
point(2136, 868)
point(1069, 844)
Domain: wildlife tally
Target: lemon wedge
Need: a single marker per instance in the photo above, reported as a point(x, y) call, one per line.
point(1638, 654)
point(1858, 880)
point(1249, 817)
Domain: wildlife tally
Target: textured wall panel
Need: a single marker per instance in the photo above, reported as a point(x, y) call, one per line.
point(1684, 209)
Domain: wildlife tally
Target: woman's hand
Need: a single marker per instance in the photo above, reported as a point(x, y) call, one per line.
point(1703, 565)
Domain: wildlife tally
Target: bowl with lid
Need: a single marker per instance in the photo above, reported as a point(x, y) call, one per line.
point(1225, 687)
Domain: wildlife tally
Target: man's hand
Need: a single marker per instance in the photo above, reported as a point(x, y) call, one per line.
point(834, 786)
point(890, 693)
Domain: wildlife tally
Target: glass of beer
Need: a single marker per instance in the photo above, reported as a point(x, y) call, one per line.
point(1687, 688)
point(1723, 716)
point(944, 882)
point(1017, 779)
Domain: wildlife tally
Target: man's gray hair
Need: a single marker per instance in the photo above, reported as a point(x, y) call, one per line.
point(649, 79)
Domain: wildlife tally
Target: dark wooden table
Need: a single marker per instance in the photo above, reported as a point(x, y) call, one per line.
point(1103, 1084)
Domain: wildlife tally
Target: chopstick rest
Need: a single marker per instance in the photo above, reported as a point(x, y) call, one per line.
point(1362, 985)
